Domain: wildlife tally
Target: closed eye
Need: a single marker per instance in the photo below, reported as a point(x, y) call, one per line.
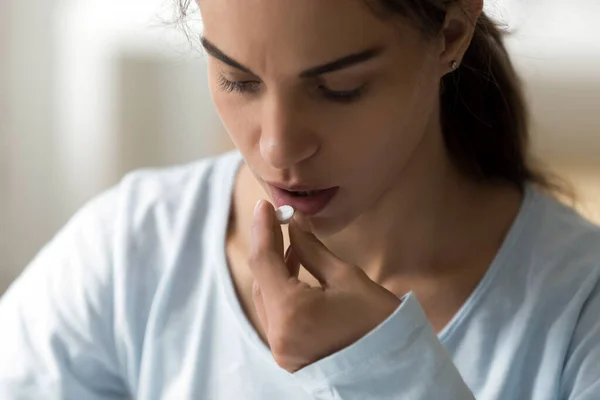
point(253, 86)
point(342, 96)
point(229, 86)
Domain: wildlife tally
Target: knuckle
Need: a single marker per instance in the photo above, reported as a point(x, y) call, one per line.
point(285, 350)
point(283, 362)
point(258, 258)
point(279, 343)
point(256, 292)
point(255, 259)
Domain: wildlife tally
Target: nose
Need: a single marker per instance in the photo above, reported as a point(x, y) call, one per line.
point(285, 138)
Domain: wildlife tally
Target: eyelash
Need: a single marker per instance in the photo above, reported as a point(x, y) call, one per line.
point(346, 96)
point(342, 96)
point(237, 86)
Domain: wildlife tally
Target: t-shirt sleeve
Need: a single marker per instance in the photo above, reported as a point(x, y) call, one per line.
point(56, 331)
point(581, 373)
point(401, 359)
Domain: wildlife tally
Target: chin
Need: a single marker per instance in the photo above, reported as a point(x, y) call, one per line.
point(324, 226)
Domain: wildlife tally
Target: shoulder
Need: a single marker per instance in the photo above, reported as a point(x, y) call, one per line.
point(146, 197)
point(565, 234)
point(154, 209)
point(150, 214)
point(561, 247)
point(149, 188)
point(147, 210)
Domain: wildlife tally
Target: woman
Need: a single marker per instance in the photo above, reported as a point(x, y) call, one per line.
point(426, 260)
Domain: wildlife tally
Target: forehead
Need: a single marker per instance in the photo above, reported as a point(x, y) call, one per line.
point(285, 35)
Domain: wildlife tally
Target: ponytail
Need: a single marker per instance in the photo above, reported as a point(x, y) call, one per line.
point(483, 112)
point(484, 117)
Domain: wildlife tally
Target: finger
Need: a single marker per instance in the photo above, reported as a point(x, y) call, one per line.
point(292, 262)
point(267, 228)
point(266, 255)
point(259, 305)
point(312, 254)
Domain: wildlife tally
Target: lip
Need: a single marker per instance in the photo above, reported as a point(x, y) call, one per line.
point(296, 187)
point(307, 205)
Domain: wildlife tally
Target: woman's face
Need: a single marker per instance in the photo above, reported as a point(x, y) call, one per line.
point(322, 95)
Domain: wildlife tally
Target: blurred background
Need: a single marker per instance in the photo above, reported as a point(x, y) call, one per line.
point(91, 89)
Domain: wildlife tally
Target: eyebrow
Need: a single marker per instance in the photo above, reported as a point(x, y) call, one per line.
point(344, 62)
point(336, 65)
point(218, 54)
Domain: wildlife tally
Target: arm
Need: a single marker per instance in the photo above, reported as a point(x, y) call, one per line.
point(401, 359)
point(56, 337)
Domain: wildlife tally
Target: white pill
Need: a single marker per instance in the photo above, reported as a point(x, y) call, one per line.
point(285, 214)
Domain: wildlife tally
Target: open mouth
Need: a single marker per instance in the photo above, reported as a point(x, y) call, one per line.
point(304, 193)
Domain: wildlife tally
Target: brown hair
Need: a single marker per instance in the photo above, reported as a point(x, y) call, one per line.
point(484, 116)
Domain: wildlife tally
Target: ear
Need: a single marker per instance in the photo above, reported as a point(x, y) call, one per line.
point(458, 30)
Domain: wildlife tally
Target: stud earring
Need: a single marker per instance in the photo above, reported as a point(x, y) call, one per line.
point(454, 65)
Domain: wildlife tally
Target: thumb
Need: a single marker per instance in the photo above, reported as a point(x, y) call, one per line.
point(312, 253)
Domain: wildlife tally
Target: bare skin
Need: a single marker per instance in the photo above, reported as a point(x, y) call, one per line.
point(441, 289)
point(404, 215)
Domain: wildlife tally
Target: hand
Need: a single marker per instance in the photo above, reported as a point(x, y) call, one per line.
point(304, 324)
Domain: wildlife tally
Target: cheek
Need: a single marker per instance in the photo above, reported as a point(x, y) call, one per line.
point(238, 117)
point(377, 133)
point(381, 137)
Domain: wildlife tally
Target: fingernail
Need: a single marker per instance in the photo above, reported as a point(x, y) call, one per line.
point(287, 253)
point(257, 206)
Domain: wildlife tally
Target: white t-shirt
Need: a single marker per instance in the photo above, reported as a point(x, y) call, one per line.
point(133, 299)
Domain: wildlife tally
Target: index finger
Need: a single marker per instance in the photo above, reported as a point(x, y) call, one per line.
point(266, 255)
